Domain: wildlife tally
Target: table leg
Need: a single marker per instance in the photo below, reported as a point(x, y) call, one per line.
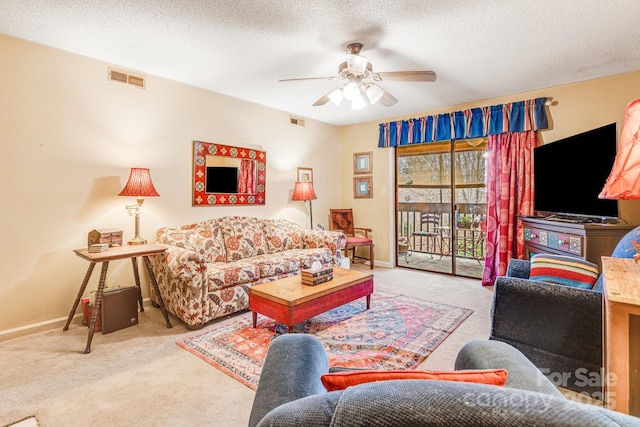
point(97, 304)
point(291, 329)
point(80, 292)
point(136, 276)
point(368, 301)
point(152, 278)
point(254, 315)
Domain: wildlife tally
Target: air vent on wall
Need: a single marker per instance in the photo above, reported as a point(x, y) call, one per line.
point(296, 121)
point(122, 77)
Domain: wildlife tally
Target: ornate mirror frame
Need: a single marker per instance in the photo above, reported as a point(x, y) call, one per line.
point(201, 198)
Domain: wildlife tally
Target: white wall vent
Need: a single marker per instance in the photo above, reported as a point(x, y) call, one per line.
point(296, 121)
point(122, 77)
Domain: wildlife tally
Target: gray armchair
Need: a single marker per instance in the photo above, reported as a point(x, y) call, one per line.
point(558, 328)
point(290, 393)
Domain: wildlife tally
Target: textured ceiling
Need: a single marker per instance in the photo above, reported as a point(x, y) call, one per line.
point(479, 49)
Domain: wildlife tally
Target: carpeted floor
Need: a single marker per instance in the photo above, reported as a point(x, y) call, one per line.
point(139, 376)
point(397, 332)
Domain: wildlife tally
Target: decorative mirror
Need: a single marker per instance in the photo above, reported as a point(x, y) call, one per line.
point(228, 175)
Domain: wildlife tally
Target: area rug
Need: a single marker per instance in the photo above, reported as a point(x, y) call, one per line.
point(397, 332)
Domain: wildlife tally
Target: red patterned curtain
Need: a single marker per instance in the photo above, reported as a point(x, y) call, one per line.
point(509, 193)
point(246, 180)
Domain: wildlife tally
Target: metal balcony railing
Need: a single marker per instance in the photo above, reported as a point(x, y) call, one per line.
point(464, 236)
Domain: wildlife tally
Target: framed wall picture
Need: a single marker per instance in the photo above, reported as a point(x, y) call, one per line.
point(362, 163)
point(362, 187)
point(305, 175)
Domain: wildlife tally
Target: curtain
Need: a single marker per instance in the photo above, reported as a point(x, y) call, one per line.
point(520, 116)
point(509, 178)
point(246, 181)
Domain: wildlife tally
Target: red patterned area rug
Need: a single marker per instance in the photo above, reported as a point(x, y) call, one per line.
point(397, 332)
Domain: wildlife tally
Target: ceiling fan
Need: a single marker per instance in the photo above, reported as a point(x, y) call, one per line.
point(360, 82)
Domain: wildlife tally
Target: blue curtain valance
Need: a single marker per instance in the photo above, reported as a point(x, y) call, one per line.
point(473, 123)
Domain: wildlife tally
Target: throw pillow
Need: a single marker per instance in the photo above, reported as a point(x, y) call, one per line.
point(341, 380)
point(563, 270)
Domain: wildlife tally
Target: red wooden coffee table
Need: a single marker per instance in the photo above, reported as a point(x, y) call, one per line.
point(290, 302)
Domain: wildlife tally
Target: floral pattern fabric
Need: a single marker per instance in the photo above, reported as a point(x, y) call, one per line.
point(207, 242)
point(282, 235)
point(243, 237)
point(221, 275)
point(199, 281)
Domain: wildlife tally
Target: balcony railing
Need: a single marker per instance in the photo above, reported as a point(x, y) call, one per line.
point(465, 235)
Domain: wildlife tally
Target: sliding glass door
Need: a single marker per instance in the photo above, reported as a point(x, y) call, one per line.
point(440, 207)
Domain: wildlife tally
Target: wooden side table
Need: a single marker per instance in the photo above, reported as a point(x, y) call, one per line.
point(112, 254)
point(621, 334)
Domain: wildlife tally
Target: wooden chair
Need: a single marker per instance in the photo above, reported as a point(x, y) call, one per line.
point(342, 219)
point(429, 229)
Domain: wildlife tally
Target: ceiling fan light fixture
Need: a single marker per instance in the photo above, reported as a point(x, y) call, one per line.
point(374, 93)
point(352, 89)
point(357, 63)
point(358, 102)
point(336, 96)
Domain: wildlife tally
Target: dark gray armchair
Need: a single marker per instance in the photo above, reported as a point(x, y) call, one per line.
point(558, 328)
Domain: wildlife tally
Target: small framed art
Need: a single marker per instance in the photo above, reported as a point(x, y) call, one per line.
point(305, 175)
point(362, 187)
point(362, 163)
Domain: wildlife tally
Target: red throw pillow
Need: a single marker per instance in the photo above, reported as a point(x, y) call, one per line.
point(341, 380)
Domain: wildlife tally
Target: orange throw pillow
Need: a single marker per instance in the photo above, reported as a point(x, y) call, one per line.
point(341, 380)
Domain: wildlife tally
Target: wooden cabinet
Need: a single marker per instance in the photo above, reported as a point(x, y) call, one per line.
point(587, 241)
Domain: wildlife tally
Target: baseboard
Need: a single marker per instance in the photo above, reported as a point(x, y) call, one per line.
point(47, 325)
point(376, 264)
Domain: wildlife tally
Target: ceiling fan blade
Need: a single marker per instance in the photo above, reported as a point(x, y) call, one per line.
point(387, 99)
point(321, 101)
point(406, 76)
point(311, 78)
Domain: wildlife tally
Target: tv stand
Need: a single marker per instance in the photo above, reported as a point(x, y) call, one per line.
point(576, 219)
point(589, 241)
point(565, 219)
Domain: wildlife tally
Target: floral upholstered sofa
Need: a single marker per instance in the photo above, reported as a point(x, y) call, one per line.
point(208, 266)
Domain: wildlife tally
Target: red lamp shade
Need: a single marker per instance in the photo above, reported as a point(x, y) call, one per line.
point(624, 180)
point(139, 184)
point(303, 191)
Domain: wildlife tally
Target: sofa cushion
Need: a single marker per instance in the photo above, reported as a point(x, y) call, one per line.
point(563, 270)
point(273, 265)
point(282, 235)
point(206, 242)
point(308, 256)
point(224, 274)
point(341, 380)
point(243, 237)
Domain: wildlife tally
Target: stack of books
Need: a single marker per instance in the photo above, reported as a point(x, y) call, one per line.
point(98, 247)
point(315, 277)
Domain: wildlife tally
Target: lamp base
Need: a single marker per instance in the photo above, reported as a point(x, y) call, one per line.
point(137, 241)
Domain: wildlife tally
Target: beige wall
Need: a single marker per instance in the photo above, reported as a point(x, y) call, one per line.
point(577, 108)
point(68, 138)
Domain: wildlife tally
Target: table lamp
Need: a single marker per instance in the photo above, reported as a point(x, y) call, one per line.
point(624, 180)
point(303, 191)
point(139, 186)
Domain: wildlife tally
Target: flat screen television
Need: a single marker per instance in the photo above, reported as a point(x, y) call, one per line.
point(570, 173)
point(221, 179)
